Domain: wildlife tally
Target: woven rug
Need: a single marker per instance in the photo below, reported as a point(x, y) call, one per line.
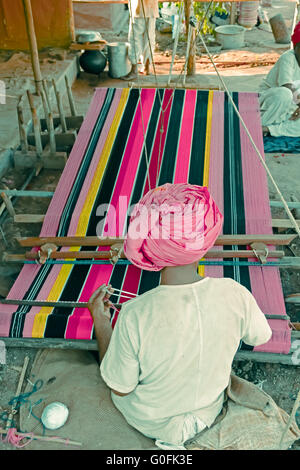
point(129, 141)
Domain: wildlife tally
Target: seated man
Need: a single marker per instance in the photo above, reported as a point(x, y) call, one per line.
point(168, 360)
point(280, 93)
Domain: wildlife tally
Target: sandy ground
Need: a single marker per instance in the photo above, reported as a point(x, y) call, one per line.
point(242, 71)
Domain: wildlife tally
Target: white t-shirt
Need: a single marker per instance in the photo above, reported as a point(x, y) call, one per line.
point(173, 347)
point(286, 70)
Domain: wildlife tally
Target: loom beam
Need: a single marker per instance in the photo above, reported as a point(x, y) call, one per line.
point(107, 241)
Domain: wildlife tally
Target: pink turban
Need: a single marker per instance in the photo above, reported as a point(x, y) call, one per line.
point(296, 34)
point(172, 225)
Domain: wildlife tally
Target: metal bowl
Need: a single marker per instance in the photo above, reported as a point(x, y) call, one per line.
point(88, 36)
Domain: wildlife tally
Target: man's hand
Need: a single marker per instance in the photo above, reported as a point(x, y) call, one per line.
point(98, 306)
point(99, 303)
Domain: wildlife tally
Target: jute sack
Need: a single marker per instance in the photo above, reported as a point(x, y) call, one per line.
point(73, 378)
point(249, 420)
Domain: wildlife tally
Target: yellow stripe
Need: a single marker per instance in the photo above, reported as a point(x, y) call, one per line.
point(201, 269)
point(41, 318)
point(89, 202)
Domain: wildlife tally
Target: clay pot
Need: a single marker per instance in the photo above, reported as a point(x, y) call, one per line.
point(93, 61)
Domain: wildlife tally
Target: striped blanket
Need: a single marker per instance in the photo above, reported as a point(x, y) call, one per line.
point(131, 139)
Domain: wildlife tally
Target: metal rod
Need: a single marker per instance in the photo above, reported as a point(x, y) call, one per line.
point(291, 205)
point(14, 199)
point(70, 304)
point(32, 45)
point(286, 262)
point(20, 193)
point(48, 303)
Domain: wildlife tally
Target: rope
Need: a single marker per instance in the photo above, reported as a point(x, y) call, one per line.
point(289, 213)
point(198, 32)
point(183, 70)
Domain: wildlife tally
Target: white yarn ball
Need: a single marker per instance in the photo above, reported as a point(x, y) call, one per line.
point(55, 415)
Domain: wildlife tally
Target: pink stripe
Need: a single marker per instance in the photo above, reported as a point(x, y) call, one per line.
point(186, 136)
point(133, 274)
point(265, 282)
point(69, 174)
point(93, 166)
point(216, 166)
point(56, 269)
point(159, 143)
point(123, 187)
point(29, 272)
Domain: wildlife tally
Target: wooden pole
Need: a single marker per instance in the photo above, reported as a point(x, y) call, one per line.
point(33, 45)
point(191, 63)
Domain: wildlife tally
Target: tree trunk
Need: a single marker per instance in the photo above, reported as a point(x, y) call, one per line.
point(191, 65)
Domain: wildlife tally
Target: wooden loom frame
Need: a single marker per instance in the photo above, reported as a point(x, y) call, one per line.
point(92, 344)
point(60, 343)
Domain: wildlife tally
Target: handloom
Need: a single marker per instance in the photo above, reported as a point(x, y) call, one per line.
point(131, 141)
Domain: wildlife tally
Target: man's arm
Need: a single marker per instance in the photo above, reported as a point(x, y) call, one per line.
point(98, 306)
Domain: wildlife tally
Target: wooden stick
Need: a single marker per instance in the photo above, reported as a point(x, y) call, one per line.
point(8, 205)
point(29, 218)
point(32, 45)
point(292, 416)
point(45, 88)
point(18, 391)
point(283, 223)
point(293, 299)
point(70, 97)
point(22, 129)
point(45, 106)
point(52, 140)
point(44, 438)
point(60, 107)
point(36, 125)
point(108, 241)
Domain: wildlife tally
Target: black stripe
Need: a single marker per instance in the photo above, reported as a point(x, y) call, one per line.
point(18, 317)
point(199, 138)
point(171, 143)
point(150, 279)
point(79, 273)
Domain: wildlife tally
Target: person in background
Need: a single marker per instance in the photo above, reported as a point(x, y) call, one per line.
point(141, 36)
point(279, 96)
point(168, 360)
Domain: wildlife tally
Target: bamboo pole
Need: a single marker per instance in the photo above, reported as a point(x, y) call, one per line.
point(18, 391)
point(33, 45)
point(191, 63)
